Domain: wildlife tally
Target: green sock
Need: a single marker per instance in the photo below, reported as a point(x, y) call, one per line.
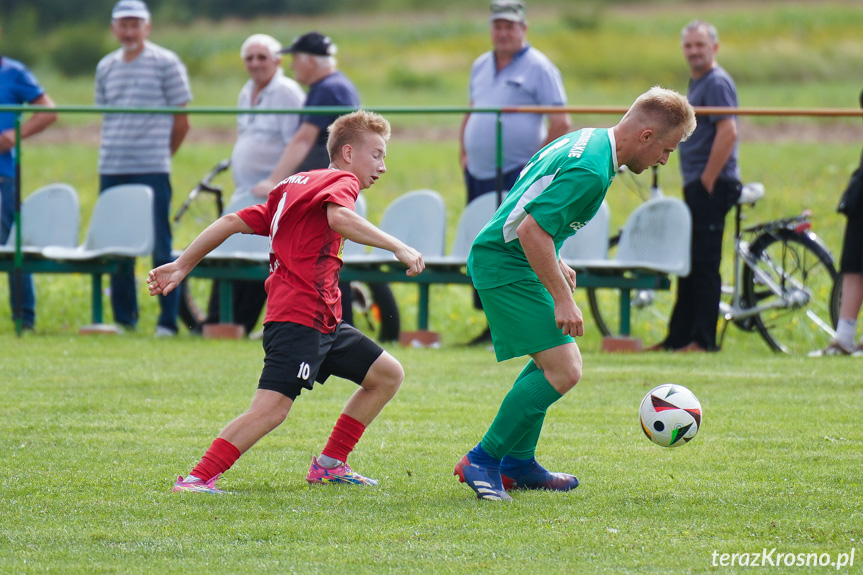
point(526, 446)
point(521, 410)
point(528, 369)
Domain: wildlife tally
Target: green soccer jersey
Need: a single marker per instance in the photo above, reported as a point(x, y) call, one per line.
point(562, 187)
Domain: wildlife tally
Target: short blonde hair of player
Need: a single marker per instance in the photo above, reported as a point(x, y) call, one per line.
point(351, 128)
point(667, 107)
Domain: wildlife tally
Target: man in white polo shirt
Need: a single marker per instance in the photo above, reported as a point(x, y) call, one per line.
point(261, 140)
point(137, 148)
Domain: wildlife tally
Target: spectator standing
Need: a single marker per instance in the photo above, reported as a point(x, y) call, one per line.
point(851, 268)
point(261, 140)
point(513, 73)
point(18, 86)
point(137, 148)
point(314, 65)
point(711, 186)
point(527, 291)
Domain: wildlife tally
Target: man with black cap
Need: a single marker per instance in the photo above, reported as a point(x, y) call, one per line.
point(314, 65)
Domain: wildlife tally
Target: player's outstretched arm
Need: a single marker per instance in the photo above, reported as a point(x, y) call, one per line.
point(359, 230)
point(165, 278)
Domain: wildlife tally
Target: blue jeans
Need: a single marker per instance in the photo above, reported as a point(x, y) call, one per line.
point(28, 294)
point(124, 298)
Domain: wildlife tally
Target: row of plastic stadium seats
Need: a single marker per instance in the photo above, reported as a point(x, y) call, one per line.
point(655, 236)
point(121, 224)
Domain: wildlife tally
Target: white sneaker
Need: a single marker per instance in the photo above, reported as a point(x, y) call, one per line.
point(833, 348)
point(162, 331)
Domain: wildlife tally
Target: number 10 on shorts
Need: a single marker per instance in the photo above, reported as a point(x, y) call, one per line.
point(303, 372)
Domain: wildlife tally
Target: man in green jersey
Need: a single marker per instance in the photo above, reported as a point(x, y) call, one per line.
point(527, 291)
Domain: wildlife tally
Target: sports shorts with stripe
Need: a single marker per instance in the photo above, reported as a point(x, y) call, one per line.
point(521, 318)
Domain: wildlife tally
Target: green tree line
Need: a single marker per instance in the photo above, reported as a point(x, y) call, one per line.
point(51, 14)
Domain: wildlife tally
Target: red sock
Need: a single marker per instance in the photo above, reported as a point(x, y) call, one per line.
point(344, 437)
point(218, 459)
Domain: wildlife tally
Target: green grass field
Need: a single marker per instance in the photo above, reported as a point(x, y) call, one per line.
point(96, 430)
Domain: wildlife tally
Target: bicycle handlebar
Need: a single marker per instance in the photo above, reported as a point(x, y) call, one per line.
point(220, 167)
point(204, 186)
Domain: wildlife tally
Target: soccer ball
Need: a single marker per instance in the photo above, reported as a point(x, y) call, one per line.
point(670, 415)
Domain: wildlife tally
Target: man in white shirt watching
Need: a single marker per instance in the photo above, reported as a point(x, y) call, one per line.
point(261, 140)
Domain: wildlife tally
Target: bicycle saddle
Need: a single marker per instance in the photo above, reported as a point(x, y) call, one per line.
point(751, 193)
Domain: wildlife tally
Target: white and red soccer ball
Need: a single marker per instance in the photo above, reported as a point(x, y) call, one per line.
point(670, 415)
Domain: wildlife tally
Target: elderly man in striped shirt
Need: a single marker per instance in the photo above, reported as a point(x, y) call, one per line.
point(137, 148)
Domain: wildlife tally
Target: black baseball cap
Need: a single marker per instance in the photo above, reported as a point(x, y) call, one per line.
point(311, 43)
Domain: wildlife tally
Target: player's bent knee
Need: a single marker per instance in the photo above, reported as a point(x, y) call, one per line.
point(385, 373)
point(268, 418)
point(564, 381)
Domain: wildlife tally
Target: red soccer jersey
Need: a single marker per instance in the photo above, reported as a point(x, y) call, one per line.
point(305, 253)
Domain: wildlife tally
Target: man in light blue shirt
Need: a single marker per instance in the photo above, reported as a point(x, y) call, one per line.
point(512, 74)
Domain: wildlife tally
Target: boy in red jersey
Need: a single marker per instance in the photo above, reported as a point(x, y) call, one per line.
point(307, 218)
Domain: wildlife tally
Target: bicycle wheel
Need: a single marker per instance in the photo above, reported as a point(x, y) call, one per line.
point(194, 297)
point(649, 310)
point(199, 211)
point(803, 269)
point(376, 311)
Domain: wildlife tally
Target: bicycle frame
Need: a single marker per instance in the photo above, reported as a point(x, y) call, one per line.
point(791, 293)
point(205, 186)
point(792, 298)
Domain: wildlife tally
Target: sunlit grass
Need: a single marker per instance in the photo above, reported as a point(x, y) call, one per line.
point(97, 429)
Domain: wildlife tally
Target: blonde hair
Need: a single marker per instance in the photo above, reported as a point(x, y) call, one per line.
point(669, 108)
point(351, 128)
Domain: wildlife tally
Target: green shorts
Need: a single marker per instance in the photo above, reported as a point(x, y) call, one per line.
point(521, 318)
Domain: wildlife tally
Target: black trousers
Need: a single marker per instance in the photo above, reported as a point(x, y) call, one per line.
point(249, 298)
point(697, 307)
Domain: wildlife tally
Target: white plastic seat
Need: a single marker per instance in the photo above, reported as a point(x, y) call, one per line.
point(417, 218)
point(250, 247)
point(475, 215)
point(590, 243)
point(121, 226)
point(352, 249)
point(657, 237)
point(49, 217)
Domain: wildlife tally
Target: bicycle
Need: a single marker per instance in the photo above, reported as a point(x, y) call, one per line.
point(782, 284)
point(374, 306)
